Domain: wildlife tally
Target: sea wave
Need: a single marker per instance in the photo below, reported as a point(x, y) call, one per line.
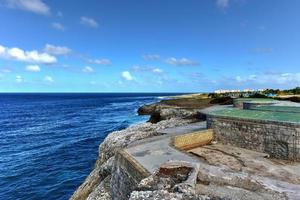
point(50, 142)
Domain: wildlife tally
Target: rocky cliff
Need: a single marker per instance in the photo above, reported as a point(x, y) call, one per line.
point(98, 184)
point(225, 172)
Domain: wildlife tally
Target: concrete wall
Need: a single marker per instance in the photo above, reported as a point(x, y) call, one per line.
point(250, 105)
point(280, 140)
point(126, 175)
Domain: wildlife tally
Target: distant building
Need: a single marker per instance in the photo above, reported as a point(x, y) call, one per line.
point(221, 91)
point(248, 90)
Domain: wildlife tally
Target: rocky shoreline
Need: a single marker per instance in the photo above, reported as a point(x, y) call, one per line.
point(225, 172)
point(162, 116)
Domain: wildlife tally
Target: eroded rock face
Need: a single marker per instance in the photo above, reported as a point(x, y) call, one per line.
point(116, 141)
point(120, 139)
point(159, 112)
point(102, 191)
point(173, 180)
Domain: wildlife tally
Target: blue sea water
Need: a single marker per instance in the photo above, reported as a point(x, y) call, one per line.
point(49, 142)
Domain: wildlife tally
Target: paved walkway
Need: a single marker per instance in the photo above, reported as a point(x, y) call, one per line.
point(154, 152)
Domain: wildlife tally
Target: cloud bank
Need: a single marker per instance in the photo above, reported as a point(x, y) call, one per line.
point(90, 22)
point(35, 6)
point(33, 56)
point(56, 50)
point(181, 62)
point(33, 68)
point(87, 69)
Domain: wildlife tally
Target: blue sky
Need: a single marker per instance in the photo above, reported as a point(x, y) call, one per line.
point(148, 46)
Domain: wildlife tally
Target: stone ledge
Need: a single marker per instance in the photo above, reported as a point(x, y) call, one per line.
point(192, 140)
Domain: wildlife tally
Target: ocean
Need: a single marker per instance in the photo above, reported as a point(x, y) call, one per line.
point(49, 142)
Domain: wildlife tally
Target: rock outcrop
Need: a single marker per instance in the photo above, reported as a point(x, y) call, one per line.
point(223, 174)
point(159, 112)
point(97, 182)
point(175, 179)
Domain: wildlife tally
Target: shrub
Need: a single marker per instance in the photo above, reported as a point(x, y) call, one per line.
point(222, 100)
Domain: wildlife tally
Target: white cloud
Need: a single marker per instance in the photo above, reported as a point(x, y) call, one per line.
point(264, 80)
point(151, 57)
point(19, 79)
point(56, 50)
point(223, 4)
point(48, 79)
point(58, 26)
point(2, 50)
point(181, 62)
point(26, 56)
point(138, 68)
point(157, 70)
point(127, 76)
point(89, 22)
point(33, 68)
point(35, 6)
point(87, 69)
point(102, 61)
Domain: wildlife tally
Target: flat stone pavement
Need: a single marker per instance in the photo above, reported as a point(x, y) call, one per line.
point(153, 152)
point(222, 163)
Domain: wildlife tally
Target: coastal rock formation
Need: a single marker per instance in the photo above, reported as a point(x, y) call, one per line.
point(159, 112)
point(95, 182)
point(175, 179)
point(225, 172)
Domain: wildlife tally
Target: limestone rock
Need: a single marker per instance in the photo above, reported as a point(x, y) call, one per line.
point(173, 180)
point(102, 191)
point(114, 142)
point(159, 112)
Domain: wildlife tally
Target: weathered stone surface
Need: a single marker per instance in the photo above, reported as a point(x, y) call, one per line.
point(164, 194)
point(121, 139)
point(160, 112)
point(102, 191)
point(114, 142)
point(173, 180)
point(88, 185)
point(275, 138)
point(214, 157)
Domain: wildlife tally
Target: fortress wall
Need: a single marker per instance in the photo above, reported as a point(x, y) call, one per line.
point(126, 175)
point(278, 139)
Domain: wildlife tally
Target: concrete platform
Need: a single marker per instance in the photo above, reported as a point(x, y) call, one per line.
point(235, 170)
point(152, 153)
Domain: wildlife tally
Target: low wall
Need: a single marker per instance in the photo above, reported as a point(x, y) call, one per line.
point(251, 105)
point(278, 139)
point(192, 140)
point(126, 175)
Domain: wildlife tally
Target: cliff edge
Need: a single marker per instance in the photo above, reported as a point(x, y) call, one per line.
point(164, 114)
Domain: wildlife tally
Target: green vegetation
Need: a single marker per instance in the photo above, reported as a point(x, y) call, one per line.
point(267, 93)
point(292, 99)
point(197, 101)
point(222, 100)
